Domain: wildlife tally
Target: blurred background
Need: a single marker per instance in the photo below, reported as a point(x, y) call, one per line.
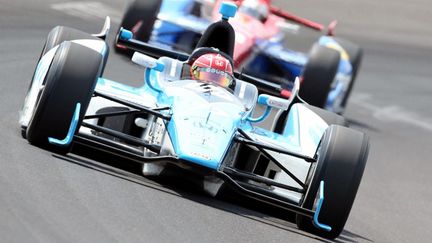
point(44, 198)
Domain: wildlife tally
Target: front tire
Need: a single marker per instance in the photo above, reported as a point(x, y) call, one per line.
point(318, 75)
point(62, 33)
point(70, 79)
point(342, 158)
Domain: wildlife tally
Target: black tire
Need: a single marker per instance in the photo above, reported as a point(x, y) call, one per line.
point(62, 33)
point(59, 34)
point(342, 158)
point(144, 11)
point(318, 75)
point(329, 117)
point(70, 79)
point(56, 36)
point(355, 54)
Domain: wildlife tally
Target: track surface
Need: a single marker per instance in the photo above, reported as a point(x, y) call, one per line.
point(44, 198)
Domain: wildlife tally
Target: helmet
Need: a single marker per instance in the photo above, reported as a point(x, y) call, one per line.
point(213, 68)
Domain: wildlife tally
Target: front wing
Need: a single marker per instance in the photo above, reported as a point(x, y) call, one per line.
point(243, 182)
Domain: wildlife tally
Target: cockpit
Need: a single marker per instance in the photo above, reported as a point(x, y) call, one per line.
point(174, 72)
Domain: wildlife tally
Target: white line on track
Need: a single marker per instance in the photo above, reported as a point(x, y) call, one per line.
point(392, 113)
point(88, 10)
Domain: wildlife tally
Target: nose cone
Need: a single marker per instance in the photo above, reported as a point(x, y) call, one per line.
point(202, 137)
point(203, 122)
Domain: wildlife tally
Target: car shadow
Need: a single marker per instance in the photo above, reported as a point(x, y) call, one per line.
point(228, 200)
point(348, 236)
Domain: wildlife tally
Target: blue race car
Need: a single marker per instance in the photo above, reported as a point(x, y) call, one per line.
point(195, 113)
point(327, 73)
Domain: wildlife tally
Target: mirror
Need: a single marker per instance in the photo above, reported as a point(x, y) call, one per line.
point(147, 62)
point(280, 103)
point(273, 101)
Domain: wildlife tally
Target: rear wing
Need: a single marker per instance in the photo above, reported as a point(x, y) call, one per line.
point(125, 38)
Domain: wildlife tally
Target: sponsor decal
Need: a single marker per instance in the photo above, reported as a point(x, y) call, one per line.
point(201, 155)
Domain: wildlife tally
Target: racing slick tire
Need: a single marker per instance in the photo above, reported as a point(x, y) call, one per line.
point(70, 79)
point(342, 158)
point(318, 75)
point(62, 33)
point(355, 54)
point(329, 117)
point(140, 15)
point(56, 36)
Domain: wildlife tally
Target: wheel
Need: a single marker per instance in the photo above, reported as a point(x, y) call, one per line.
point(355, 54)
point(56, 36)
point(70, 79)
point(59, 34)
point(342, 158)
point(139, 18)
point(318, 75)
point(62, 33)
point(329, 117)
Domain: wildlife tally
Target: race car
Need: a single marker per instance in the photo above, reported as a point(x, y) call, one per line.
point(196, 113)
point(327, 72)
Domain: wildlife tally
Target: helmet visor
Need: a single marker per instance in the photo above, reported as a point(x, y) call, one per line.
point(213, 76)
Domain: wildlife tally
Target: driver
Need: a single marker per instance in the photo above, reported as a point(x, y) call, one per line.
point(213, 68)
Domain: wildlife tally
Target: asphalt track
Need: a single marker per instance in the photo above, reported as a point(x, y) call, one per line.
point(47, 198)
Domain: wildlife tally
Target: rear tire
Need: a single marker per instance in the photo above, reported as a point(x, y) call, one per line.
point(318, 75)
point(70, 79)
point(355, 54)
point(342, 158)
point(143, 13)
